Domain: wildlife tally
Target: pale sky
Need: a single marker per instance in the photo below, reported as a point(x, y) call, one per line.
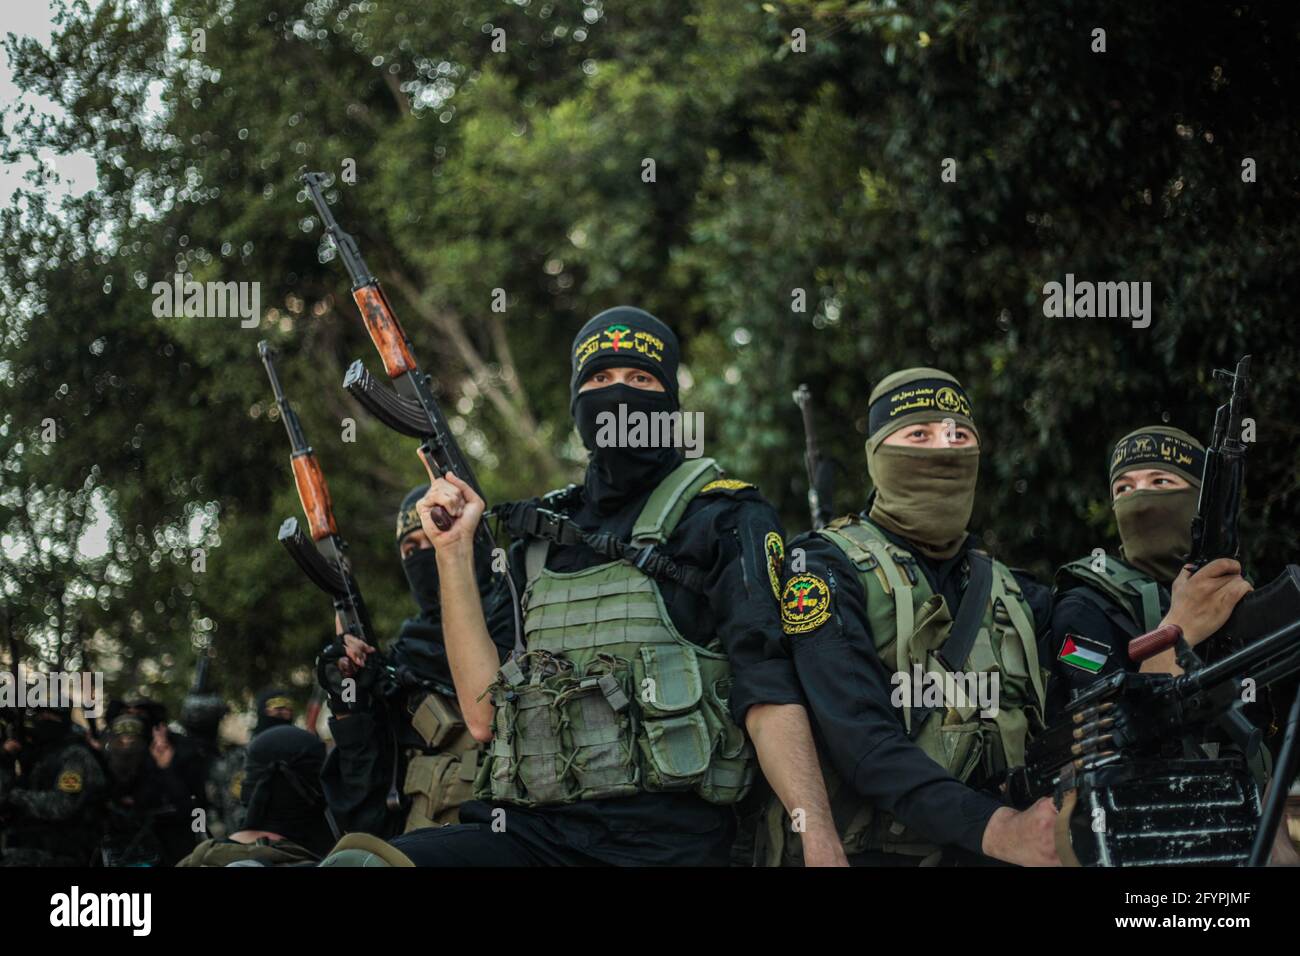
point(76, 172)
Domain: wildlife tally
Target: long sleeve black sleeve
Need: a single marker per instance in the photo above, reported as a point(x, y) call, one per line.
point(849, 694)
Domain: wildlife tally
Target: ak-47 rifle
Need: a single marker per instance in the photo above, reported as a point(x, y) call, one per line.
point(410, 407)
point(820, 476)
point(323, 556)
point(1214, 529)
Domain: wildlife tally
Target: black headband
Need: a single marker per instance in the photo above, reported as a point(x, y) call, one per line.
point(942, 396)
point(1158, 450)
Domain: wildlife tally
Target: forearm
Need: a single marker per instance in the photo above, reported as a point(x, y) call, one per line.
point(783, 740)
point(471, 653)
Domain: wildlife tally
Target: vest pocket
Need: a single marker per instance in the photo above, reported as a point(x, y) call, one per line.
point(540, 751)
point(676, 751)
point(731, 768)
point(667, 679)
point(600, 735)
point(674, 742)
point(963, 745)
point(436, 786)
point(435, 719)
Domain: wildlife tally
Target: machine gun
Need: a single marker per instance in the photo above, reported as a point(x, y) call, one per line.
point(1127, 749)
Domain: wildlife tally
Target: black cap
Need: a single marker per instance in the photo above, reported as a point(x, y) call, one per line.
point(625, 336)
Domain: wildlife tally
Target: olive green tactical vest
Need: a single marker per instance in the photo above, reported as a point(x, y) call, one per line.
point(908, 624)
point(610, 700)
point(438, 783)
point(1135, 593)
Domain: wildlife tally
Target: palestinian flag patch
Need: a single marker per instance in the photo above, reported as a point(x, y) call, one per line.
point(1084, 654)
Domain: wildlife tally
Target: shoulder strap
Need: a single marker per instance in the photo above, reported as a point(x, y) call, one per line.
point(1007, 590)
point(1135, 593)
point(665, 507)
point(535, 559)
point(668, 502)
point(859, 538)
point(966, 625)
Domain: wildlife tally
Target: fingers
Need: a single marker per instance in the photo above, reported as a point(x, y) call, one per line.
point(428, 464)
point(1220, 568)
point(1234, 591)
point(442, 494)
point(467, 492)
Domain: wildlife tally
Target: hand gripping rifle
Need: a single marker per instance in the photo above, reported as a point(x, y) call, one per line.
point(323, 555)
point(409, 408)
point(820, 477)
point(1125, 740)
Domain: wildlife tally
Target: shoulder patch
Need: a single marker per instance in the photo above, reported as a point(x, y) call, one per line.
point(725, 484)
point(70, 782)
point(1084, 654)
point(236, 788)
point(805, 604)
point(774, 552)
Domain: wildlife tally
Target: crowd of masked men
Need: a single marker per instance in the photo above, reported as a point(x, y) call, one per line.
point(680, 683)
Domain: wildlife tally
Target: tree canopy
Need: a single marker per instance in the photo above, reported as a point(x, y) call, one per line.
point(799, 153)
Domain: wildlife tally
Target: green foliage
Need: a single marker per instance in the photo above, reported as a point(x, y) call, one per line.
point(521, 170)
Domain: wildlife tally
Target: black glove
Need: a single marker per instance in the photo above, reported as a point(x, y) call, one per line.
point(357, 688)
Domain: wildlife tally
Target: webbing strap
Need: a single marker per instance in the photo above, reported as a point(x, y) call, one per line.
point(1025, 631)
point(667, 503)
point(965, 627)
point(1149, 591)
point(904, 617)
point(535, 559)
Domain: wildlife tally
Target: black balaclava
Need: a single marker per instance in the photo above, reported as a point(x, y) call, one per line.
point(421, 568)
point(282, 789)
point(1155, 525)
point(128, 748)
point(623, 337)
point(46, 732)
point(273, 696)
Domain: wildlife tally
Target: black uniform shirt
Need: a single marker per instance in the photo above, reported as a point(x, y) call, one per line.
point(725, 535)
point(1086, 625)
point(849, 689)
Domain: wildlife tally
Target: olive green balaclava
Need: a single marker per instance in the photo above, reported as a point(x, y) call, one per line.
point(922, 494)
point(1155, 527)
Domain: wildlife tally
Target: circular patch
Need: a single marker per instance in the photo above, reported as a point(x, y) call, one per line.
point(774, 549)
point(70, 782)
point(805, 604)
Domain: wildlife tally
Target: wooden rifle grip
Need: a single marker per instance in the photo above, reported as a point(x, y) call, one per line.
point(1154, 642)
point(384, 329)
point(314, 495)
